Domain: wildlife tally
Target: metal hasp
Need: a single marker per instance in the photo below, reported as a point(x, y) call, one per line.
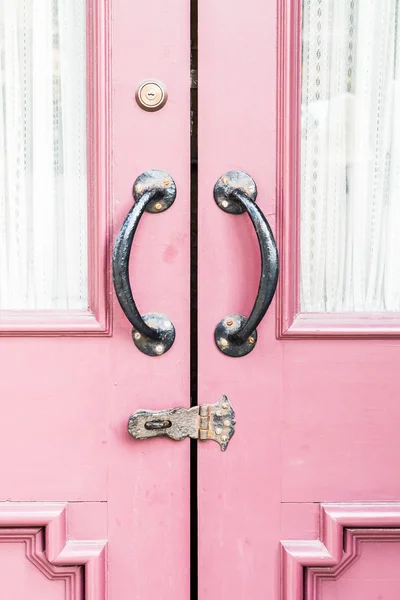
point(236, 193)
point(154, 192)
point(206, 422)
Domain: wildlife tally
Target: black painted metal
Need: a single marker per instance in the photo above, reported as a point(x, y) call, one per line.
point(160, 325)
point(154, 191)
point(227, 185)
point(236, 335)
point(225, 336)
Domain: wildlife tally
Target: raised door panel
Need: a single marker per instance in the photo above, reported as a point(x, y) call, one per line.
point(23, 567)
point(42, 542)
point(350, 551)
point(373, 575)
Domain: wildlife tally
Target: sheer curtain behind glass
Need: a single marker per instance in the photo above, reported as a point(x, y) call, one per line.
point(43, 193)
point(350, 156)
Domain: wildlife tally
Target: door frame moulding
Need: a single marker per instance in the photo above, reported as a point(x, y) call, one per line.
point(35, 553)
point(97, 319)
point(60, 551)
point(290, 321)
point(305, 559)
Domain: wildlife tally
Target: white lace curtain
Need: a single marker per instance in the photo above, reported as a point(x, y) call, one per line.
point(350, 156)
point(43, 195)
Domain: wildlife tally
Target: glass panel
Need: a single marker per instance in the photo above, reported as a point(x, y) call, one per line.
point(350, 156)
point(43, 188)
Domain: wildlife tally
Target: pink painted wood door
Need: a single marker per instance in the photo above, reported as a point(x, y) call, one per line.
point(86, 512)
point(305, 502)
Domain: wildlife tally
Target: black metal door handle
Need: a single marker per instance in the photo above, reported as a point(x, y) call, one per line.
point(153, 333)
point(235, 193)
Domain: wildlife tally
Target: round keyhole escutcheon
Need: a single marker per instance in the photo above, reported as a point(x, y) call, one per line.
point(151, 95)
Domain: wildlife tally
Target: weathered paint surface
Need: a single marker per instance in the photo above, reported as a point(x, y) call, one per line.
point(317, 419)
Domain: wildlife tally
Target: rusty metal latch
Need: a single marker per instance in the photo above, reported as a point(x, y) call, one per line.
point(205, 422)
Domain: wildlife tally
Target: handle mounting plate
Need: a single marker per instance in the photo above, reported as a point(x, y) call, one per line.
point(161, 183)
point(230, 182)
point(225, 336)
point(165, 335)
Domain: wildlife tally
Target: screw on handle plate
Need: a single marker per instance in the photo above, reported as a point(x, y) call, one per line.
point(205, 422)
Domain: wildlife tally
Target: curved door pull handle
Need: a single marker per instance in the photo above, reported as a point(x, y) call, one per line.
point(235, 193)
point(154, 191)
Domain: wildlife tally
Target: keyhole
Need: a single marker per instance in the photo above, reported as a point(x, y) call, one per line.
point(151, 95)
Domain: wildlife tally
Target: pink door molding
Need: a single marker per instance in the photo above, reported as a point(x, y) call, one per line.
point(70, 382)
point(343, 530)
point(316, 418)
point(44, 531)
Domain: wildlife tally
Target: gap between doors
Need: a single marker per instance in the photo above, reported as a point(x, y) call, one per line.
point(193, 293)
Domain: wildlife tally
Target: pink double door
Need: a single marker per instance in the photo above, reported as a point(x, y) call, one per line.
point(305, 501)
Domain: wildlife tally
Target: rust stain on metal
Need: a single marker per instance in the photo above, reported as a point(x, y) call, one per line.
point(206, 422)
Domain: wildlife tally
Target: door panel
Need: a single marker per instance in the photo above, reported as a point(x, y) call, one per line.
point(23, 566)
point(316, 418)
point(239, 493)
point(340, 554)
point(67, 398)
point(339, 419)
